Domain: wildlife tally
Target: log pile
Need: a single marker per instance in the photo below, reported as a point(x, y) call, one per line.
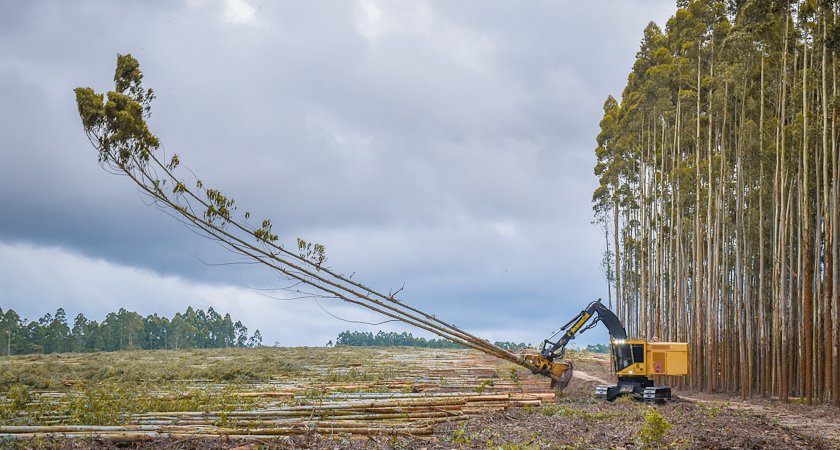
point(426, 388)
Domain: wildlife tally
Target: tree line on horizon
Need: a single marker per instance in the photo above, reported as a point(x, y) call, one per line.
point(122, 330)
point(404, 339)
point(718, 195)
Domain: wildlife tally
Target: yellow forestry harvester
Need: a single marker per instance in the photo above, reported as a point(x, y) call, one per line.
point(635, 361)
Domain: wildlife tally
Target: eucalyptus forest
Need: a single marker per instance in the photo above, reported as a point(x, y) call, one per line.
point(718, 195)
point(122, 330)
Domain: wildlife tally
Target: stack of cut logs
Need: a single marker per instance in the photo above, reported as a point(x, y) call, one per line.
point(429, 387)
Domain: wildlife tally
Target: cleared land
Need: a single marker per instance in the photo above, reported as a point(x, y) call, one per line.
point(363, 397)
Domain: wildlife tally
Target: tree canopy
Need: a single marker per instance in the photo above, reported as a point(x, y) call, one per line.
point(122, 330)
point(404, 339)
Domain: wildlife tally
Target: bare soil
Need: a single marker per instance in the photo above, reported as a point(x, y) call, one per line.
point(698, 421)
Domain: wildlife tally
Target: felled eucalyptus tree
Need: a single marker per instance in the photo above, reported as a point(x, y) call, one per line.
point(115, 123)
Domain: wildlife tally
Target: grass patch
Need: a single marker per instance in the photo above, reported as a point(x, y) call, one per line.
point(53, 371)
point(557, 410)
point(111, 404)
point(460, 437)
point(107, 388)
point(711, 410)
point(652, 433)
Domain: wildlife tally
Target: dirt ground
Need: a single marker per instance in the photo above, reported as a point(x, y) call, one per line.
point(575, 419)
point(580, 423)
point(697, 420)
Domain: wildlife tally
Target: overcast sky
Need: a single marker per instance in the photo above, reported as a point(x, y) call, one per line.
point(444, 146)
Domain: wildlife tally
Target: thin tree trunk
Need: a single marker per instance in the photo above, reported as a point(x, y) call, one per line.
point(828, 220)
point(618, 298)
point(697, 332)
point(835, 229)
point(806, 237)
point(764, 345)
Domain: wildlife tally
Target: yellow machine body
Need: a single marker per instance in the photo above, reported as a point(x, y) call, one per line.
point(636, 362)
point(638, 357)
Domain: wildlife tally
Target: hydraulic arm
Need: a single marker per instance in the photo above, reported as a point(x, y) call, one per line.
point(548, 361)
point(554, 350)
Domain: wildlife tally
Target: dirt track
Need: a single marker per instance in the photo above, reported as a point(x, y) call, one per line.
point(819, 421)
point(587, 377)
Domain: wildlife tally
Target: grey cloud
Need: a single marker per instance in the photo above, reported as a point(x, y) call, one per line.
point(452, 151)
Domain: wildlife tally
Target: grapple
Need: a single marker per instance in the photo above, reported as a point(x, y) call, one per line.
point(564, 371)
point(560, 372)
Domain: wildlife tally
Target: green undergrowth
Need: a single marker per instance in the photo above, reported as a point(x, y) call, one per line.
point(710, 410)
point(53, 371)
point(105, 388)
point(511, 446)
point(353, 375)
point(460, 436)
point(110, 403)
point(653, 430)
point(558, 410)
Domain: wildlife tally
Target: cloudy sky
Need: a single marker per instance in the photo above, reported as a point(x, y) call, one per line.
point(444, 146)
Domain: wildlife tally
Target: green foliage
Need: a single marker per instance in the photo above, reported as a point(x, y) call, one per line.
point(122, 330)
point(654, 429)
point(109, 402)
point(104, 388)
point(390, 339)
point(353, 374)
point(512, 446)
point(514, 374)
point(511, 346)
point(460, 436)
point(626, 399)
point(264, 232)
point(58, 371)
point(559, 410)
point(393, 339)
point(91, 107)
point(483, 386)
point(710, 409)
point(219, 207)
point(19, 395)
point(312, 251)
point(174, 162)
point(117, 127)
point(597, 348)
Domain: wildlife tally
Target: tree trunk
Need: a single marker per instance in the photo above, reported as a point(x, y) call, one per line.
point(807, 314)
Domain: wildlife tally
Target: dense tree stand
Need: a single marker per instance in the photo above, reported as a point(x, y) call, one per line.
point(719, 183)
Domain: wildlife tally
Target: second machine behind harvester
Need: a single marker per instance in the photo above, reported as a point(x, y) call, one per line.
point(634, 361)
